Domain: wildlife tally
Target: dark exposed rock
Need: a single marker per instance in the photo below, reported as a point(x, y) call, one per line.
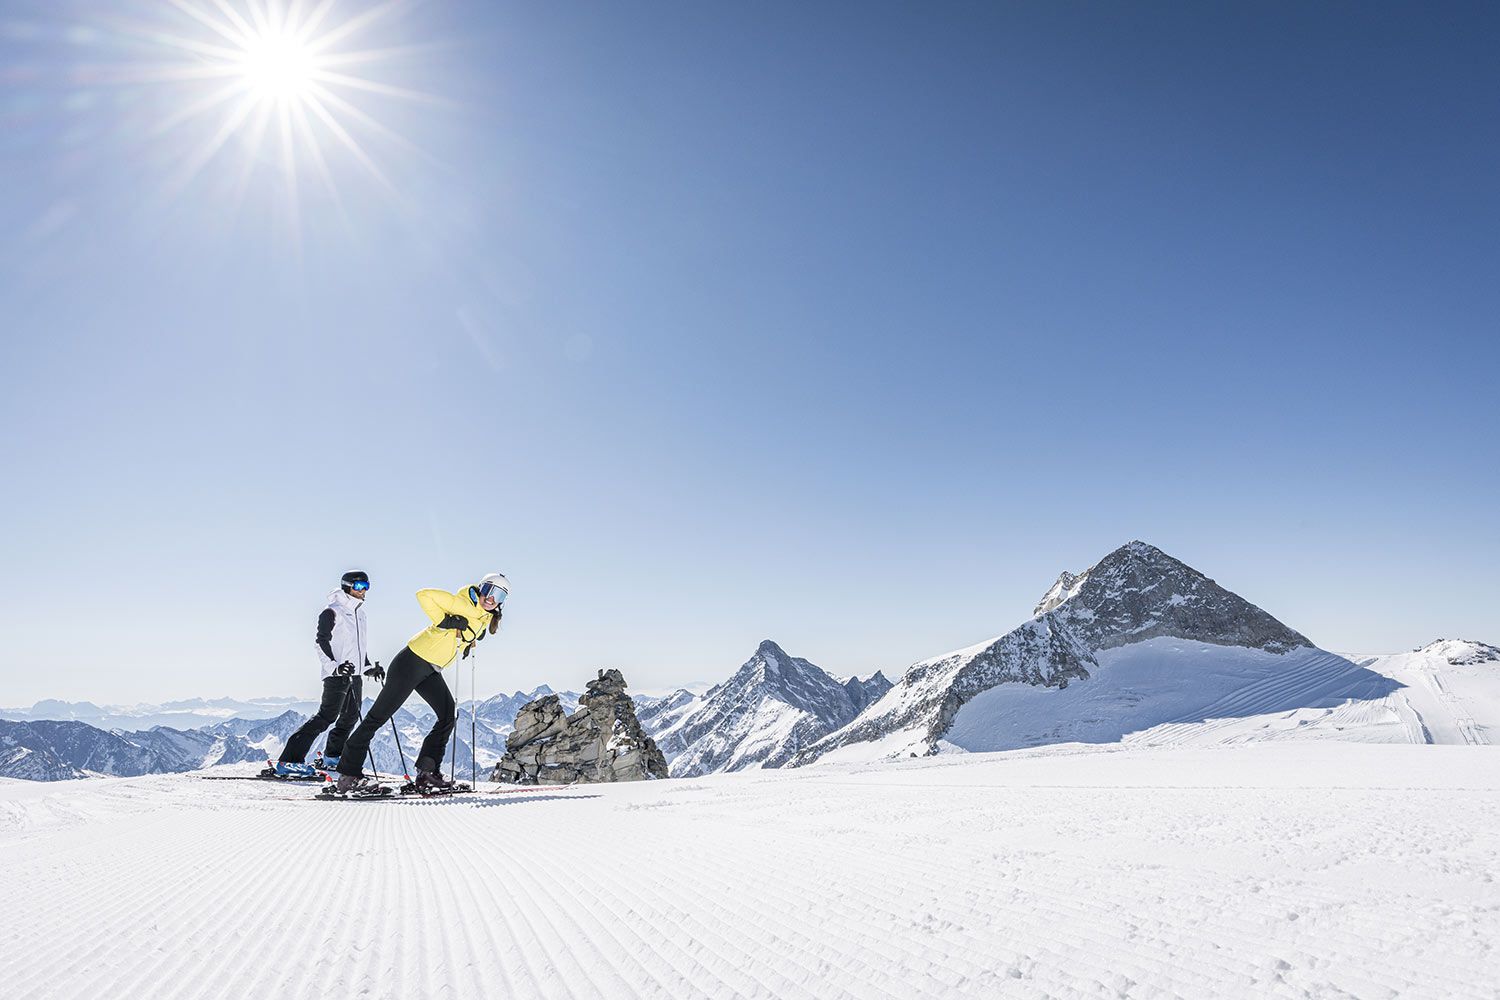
point(1138, 592)
point(601, 741)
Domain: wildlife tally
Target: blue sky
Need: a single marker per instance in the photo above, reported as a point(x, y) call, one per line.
point(847, 325)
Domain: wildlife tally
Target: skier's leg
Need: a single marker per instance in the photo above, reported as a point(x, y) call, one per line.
point(402, 675)
point(334, 689)
point(348, 716)
point(434, 691)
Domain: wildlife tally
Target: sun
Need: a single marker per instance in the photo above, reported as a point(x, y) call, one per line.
point(279, 66)
point(290, 91)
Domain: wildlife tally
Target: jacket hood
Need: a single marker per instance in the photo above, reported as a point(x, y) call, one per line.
point(339, 597)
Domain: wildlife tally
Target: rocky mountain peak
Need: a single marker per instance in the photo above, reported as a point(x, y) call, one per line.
point(800, 683)
point(774, 705)
point(1138, 592)
point(864, 693)
point(1057, 593)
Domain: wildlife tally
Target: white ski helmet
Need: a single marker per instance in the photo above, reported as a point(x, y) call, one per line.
point(495, 585)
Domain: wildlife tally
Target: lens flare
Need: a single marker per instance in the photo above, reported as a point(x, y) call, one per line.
point(288, 91)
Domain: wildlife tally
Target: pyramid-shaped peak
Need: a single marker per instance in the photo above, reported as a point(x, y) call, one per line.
point(770, 658)
point(1139, 551)
point(1135, 559)
point(1139, 548)
point(1138, 591)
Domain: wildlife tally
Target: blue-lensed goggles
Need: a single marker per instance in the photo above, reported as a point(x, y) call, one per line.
point(493, 590)
point(360, 585)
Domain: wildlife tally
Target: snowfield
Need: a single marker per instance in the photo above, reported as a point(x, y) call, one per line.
point(1270, 869)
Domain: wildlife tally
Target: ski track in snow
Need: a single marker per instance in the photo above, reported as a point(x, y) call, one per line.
point(1314, 869)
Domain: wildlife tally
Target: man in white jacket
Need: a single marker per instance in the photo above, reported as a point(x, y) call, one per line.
point(342, 654)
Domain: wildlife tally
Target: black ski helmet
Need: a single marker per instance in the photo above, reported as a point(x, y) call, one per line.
point(355, 579)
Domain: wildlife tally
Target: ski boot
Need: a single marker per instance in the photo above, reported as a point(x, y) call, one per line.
point(355, 786)
point(323, 763)
point(430, 781)
point(293, 770)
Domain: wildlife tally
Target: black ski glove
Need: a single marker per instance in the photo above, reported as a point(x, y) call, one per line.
point(345, 669)
point(376, 673)
point(467, 650)
point(456, 622)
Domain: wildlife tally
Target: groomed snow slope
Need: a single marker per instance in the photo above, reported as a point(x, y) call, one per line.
point(1168, 690)
point(1450, 690)
point(1263, 870)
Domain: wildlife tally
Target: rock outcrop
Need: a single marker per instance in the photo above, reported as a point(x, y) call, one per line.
point(601, 741)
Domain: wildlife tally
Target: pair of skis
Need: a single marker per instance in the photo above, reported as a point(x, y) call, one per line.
point(268, 773)
point(329, 795)
point(407, 791)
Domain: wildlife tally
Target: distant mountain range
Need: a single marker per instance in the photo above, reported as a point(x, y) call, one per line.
point(46, 750)
point(40, 749)
point(192, 713)
point(1139, 647)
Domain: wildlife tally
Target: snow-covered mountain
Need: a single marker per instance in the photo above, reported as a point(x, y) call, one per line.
point(773, 706)
point(34, 764)
point(1139, 639)
point(54, 750)
point(192, 713)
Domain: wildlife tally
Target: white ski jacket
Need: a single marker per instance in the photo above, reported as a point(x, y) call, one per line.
point(342, 634)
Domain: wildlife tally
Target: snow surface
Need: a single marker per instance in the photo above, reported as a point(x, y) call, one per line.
point(1450, 691)
point(1253, 870)
point(1162, 690)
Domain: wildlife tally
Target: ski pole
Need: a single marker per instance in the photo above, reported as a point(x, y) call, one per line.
point(453, 754)
point(473, 700)
point(360, 714)
point(405, 773)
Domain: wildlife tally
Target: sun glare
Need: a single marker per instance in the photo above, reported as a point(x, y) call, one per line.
point(289, 87)
point(278, 67)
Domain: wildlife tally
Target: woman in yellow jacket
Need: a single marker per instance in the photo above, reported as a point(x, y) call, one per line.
point(458, 620)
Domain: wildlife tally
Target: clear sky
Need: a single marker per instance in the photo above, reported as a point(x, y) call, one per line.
point(849, 325)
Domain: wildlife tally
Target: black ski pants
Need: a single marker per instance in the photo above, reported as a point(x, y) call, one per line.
point(339, 708)
point(408, 672)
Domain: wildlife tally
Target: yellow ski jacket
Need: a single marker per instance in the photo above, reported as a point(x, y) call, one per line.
point(438, 646)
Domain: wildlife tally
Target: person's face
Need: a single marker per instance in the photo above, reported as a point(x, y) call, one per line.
point(488, 603)
point(359, 592)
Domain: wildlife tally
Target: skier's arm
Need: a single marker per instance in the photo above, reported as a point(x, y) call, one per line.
point(438, 604)
point(325, 633)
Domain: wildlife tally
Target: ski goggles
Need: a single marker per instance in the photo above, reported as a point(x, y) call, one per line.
point(493, 590)
point(360, 585)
